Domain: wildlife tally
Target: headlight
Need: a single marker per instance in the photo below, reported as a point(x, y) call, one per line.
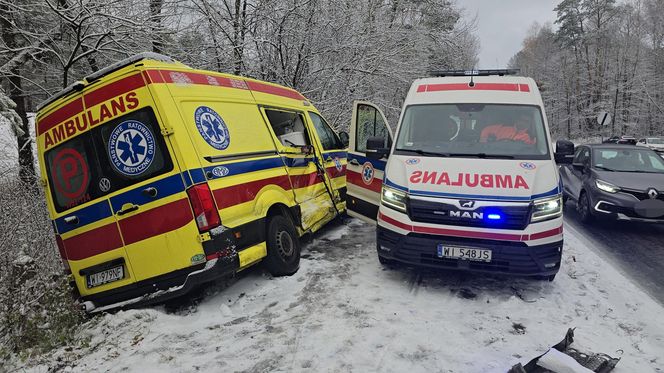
point(393, 198)
point(549, 208)
point(607, 187)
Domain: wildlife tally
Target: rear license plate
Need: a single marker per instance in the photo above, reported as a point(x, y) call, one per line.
point(106, 276)
point(465, 253)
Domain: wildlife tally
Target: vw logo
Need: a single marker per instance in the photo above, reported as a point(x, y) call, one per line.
point(653, 193)
point(104, 184)
point(527, 165)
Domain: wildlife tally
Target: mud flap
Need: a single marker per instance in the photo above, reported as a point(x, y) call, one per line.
point(568, 359)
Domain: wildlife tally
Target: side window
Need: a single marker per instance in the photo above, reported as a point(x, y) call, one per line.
point(328, 138)
point(289, 127)
point(369, 123)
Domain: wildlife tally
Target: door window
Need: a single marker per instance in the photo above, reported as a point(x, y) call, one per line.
point(119, 153)
point(369, 123)
point(328, 137)
point(289, 127)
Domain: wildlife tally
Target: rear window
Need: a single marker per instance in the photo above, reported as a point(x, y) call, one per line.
point(119, 153)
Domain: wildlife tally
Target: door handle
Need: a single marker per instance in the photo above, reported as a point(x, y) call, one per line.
point(354, 162)
point(127, 208)
point(71, 220)
point(150, 192)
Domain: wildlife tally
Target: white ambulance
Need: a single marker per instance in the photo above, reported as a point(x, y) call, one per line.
point(468, 182)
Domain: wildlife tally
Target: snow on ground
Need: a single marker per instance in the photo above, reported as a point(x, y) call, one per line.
point(344, 312)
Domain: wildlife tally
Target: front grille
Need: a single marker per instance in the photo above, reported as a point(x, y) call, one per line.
point(512, 217)
point(643, 195)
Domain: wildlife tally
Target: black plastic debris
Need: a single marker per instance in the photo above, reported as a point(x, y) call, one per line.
point(598, 363)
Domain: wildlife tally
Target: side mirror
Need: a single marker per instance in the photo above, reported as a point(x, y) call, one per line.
point(376, 148)
point(345, 139)
point(564, 152)
point(579, 166)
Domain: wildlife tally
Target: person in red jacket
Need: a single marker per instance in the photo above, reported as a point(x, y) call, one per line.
point(521, 130)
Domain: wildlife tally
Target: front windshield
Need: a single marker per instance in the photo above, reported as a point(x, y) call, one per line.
point(628, 160)
point(473, 130)
point(655, 141)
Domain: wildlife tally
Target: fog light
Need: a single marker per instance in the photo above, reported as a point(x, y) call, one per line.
point(550, 265)
point(384, 248)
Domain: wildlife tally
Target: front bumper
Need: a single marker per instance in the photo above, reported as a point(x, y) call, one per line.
point(515, 258)
point(618, 206)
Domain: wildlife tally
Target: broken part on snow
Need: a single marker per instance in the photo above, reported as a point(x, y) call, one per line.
point(561, 358)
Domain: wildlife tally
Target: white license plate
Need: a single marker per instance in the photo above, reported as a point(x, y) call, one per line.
point(106, 276)
point(465, 253)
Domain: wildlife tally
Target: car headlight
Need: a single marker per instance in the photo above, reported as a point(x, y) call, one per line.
point(393, 198)
point(607, 187)
point(545, 209)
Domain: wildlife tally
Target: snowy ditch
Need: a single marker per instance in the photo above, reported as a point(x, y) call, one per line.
point(344, 312)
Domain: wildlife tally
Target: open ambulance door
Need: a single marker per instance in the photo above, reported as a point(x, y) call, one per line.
point(364, 176)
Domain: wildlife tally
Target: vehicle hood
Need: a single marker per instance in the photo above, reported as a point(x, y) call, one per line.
point(632, 180)
point(497, 179)
point(656, 146)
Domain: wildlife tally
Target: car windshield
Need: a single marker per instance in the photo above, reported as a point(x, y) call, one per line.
point(473, 130)
point(655, 141)
point(628, 160)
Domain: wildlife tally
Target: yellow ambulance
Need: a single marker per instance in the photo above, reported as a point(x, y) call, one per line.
point(160, 177)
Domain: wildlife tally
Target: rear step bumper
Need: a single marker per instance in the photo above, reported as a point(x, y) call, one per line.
point(162, 288)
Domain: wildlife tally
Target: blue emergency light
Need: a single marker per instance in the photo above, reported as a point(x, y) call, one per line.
point(494, 217)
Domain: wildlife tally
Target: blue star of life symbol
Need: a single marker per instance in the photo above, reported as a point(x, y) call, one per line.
point(131, 147)
point(211, 127)
point(368, 173)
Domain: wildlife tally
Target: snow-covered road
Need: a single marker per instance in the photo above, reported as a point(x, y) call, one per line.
point(344, 312)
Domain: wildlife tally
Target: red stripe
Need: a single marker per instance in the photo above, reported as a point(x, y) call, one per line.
point(470, 234)
point(333, 172)
point(114, 89)
point(154, 76)
point(275, 90)
point(236, 194)
point(156, 221)
point(59, 116)
point(303, 181)
point(524, 88)
point(61, 247)
point(94, 242)
point(172, 76)
point(355, 178)
point(476, 87)
point(549, 233)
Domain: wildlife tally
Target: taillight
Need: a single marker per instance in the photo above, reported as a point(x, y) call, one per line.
point(205, 211)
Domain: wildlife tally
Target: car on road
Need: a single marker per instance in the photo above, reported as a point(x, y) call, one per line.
point(621, 182)
point(631, 140)
point(653, 143)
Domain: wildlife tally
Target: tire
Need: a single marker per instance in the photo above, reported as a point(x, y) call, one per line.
point(283, 247)
point(584, 209)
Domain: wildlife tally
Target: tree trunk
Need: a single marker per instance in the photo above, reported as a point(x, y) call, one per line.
point(155, 25)
point(26, 160)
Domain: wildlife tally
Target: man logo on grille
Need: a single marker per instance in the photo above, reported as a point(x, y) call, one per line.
point(467, 204)
point(212, 127)
point(131, 147)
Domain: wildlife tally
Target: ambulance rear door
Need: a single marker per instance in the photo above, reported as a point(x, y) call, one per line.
point(364, 176)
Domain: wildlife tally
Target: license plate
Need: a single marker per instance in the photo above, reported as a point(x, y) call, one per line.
point(465, 253)
point(106, 276)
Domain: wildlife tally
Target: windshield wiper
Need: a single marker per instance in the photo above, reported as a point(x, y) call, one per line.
point(482, 155)
point(605, 168)
point(423, 152)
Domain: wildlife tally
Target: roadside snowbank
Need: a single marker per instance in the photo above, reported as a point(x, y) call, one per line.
point(344, 312)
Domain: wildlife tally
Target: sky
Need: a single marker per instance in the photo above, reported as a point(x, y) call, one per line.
point(502, 25)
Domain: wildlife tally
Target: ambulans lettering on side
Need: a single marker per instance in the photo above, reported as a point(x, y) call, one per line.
point(160, 177)
point(467, 182)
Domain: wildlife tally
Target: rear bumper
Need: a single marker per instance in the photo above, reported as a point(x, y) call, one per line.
point(222, 262)
point(514, 258)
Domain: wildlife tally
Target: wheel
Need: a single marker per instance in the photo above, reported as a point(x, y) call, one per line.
point(283, 247)
point(583, 207)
